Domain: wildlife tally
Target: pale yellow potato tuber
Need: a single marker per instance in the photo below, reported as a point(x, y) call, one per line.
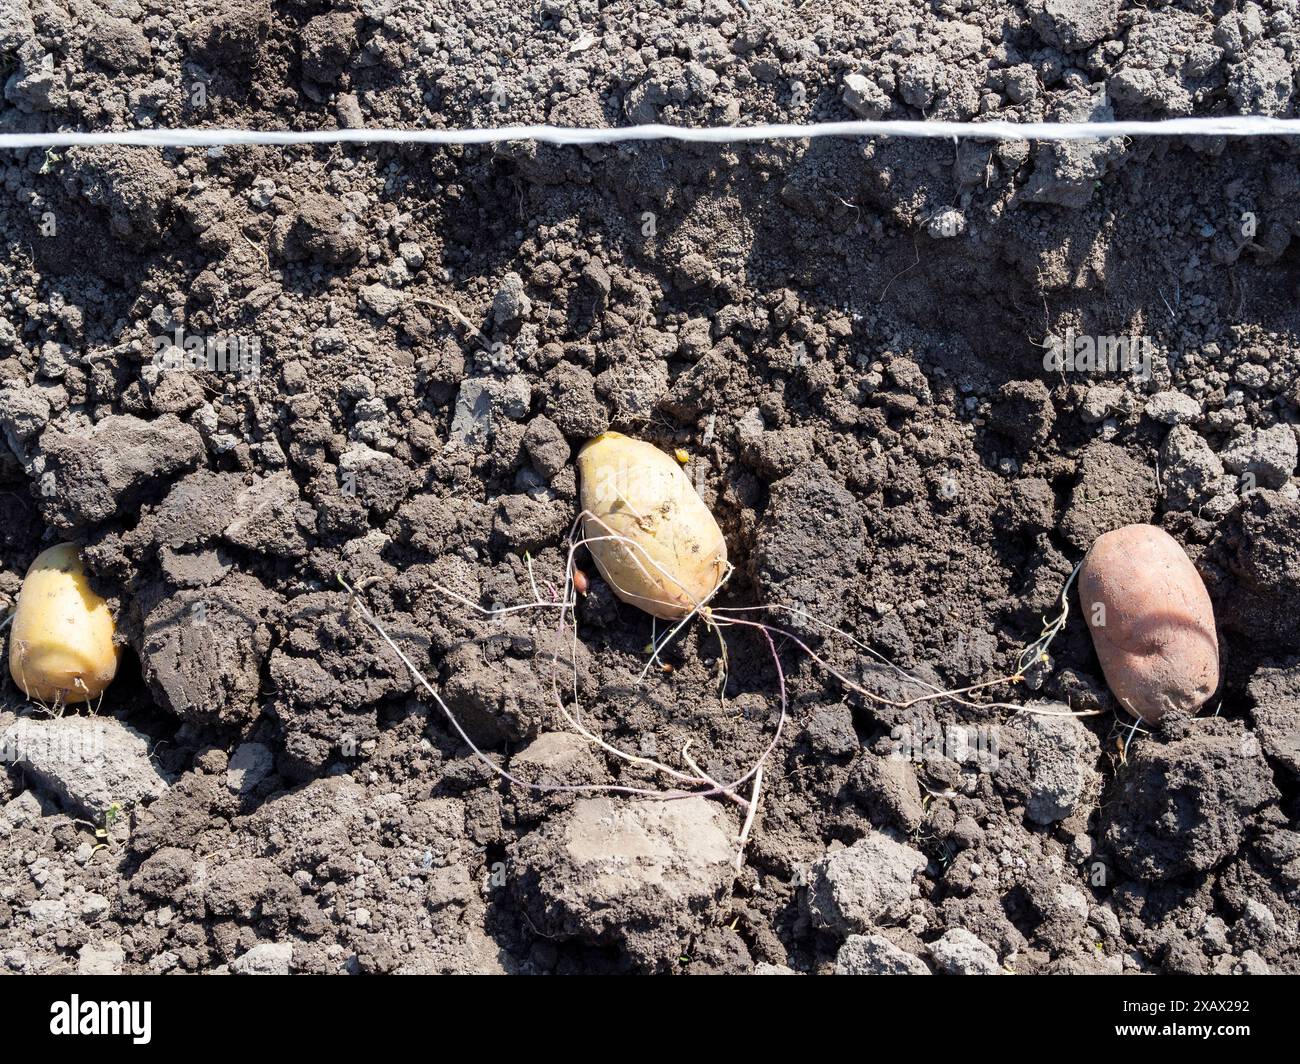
point(671, 556)
point(61, 644)
point(1151, 620)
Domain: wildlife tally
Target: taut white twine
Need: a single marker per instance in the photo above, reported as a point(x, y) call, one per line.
point(1227, 126)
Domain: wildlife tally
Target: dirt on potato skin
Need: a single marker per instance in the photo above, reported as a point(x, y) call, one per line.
point(799, 318)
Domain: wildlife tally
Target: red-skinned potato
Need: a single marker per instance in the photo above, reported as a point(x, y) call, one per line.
point(1151, 621)
point(671, 556)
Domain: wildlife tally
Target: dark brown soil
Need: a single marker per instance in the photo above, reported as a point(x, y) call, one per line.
point(848, 338)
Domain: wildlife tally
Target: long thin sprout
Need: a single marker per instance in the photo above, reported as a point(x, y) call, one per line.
point(1037, 650)
point(699, 782)
point(575, 544)
point(566, 604)
point(587, 788)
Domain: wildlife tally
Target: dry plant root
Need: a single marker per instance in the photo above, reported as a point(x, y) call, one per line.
point(684, 784)
point(691, 782)
point(1036, 652)
point(458, 314)
point(627, 540)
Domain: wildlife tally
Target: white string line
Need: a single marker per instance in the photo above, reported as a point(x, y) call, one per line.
point(1226, 126)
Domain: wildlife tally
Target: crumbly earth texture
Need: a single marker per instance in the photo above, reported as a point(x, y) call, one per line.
point(851, 340)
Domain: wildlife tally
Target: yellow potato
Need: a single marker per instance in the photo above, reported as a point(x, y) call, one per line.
point(61, 645)
point(1151, 620)
point(675, 556)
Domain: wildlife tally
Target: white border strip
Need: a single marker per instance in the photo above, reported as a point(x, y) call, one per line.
point(1228, 126)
